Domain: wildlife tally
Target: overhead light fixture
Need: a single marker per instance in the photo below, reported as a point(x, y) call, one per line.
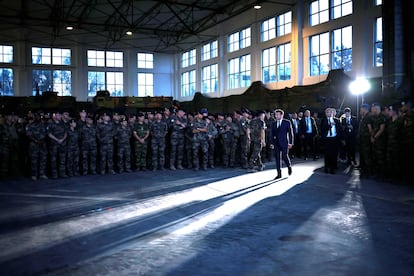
point(128, 33)
point(69, 28)
point(257, 6)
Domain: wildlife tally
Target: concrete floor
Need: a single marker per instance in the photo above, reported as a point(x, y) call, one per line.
point(214, 222)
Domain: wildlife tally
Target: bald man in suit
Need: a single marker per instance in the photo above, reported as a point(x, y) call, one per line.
point(282, 141)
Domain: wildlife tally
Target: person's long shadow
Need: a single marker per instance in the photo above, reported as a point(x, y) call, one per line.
point(316, 228)
point(136, 187)
point(73, 250)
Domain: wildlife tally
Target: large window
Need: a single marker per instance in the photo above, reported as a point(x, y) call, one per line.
point(283, 62)
point(145, 61)
point(210, 78)
point(52, 80)
point(51, 76)
point(54, 56)
point(378, 42)
point(239, 72)
point(188, 83)
point(342, 48)
point(188, 58)
point(6, 54)
point(378, 2)
point(111, 81)
point(341, 8)
point(319, 54)
point(6, 74)
point(105, 59)
point(6, 82)
point(269, 65)
point(284, 23)
point(239, 40)
point(268, 29)
point(319, 12)
point(209, 51)
point(145, 84)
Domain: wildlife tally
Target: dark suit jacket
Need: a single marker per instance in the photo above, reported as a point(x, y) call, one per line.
point(325, 127)
point(303, 126)
point(283, 135)
point(349, 131)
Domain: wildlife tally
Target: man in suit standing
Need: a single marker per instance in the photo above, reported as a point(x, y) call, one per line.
point(308, 132)
point(282, 141)
point(331, 135)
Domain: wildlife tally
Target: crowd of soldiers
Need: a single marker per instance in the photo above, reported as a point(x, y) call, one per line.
point(58, 145)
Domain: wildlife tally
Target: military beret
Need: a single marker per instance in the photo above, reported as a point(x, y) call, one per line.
point(203, 110)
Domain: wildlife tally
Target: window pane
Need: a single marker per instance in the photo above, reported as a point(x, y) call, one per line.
point(6, 54)
point(114, 59)
point(61, 56)
point(145, 61)
point(62, 81)
point(145, 84)
point(41, 55)
point(115, 83)
point(96, 58)
point(6, 82)
point(42, 79)
point(96, 82)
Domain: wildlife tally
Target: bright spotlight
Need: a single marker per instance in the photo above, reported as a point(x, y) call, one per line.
point(359, 86)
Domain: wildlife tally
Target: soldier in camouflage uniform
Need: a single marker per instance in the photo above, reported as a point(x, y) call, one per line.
point(227, 138)
point(57, 134)
point(37, 133)
point(158, 131)
point(219, 150)
point(88, 146)
point(141, 135)
point(269, 120)
point(236, 141)
point(105, 135)
point(378, 140)
point(256, 133)
point(364, 140)
point(393, 130)
point(72, 158)
point(9, 142)
point(244, 138)
point(212, 133)
point(200, 140)
point(123, 139)
point(406, 141)
point(178, 123)
point(188, 132)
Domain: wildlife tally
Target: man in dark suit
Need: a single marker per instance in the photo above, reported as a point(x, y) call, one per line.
point(282, 141)
point(308, 132)
point(350, 129)
point(331, 137)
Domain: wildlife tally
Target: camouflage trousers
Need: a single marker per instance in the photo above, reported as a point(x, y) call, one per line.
point(124, 157)
point(158, 152)
point(211, 148)
point(255, 157)
point(177, 151)
point(229, 152)
point(72, 161)
point(57, 159)
point(89, 154)
point(244, 150)
point(197, 144)
point(106, 152)
point(38, 158)
point(141, 154)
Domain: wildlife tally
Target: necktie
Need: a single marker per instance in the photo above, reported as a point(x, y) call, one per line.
point(278, 124)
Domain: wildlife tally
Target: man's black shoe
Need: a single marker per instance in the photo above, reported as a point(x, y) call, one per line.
point(289, 170)
point(277, 177)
